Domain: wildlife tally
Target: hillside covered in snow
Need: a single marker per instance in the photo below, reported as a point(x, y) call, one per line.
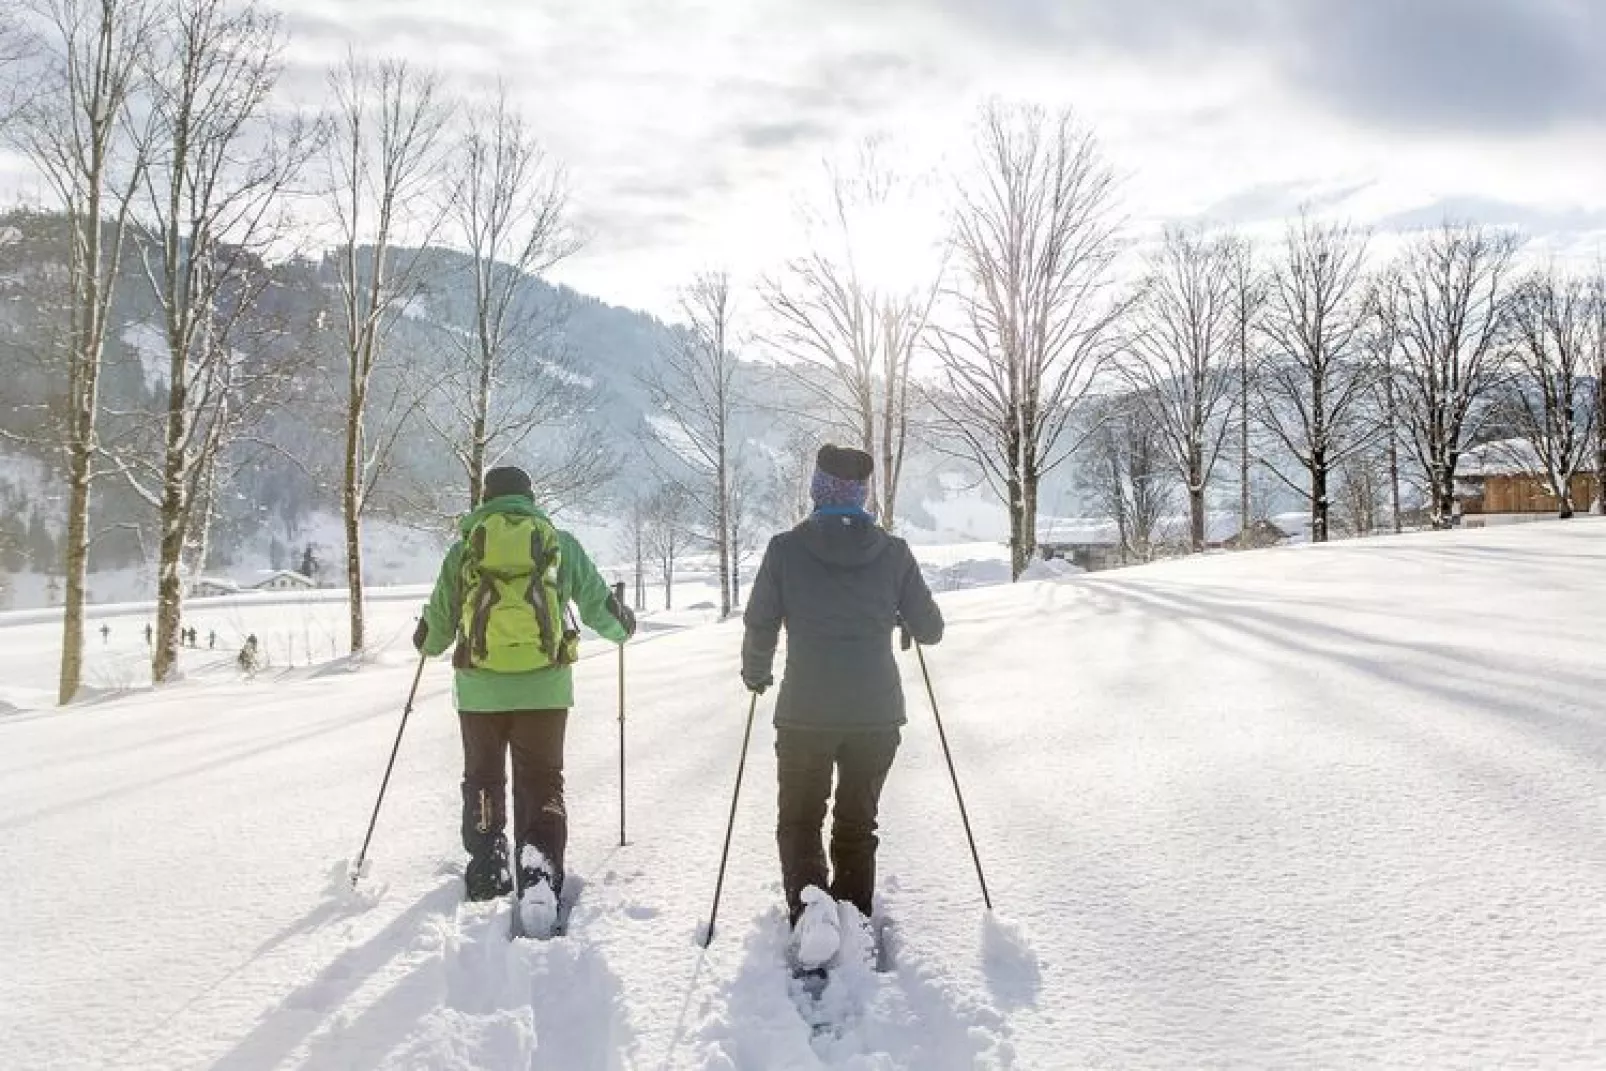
point(1317, 806)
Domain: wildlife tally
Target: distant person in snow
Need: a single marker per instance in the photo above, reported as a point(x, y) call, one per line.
point(840, 586)
point(250, 655)
point(149, 632)
point(211, 640)
point(105, 635)
point(502, 606)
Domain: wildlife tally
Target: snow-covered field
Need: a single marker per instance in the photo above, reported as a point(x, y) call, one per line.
point(1320, 806)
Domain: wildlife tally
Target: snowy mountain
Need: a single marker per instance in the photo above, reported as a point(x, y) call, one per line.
point(282, 477)
point(1317, 806)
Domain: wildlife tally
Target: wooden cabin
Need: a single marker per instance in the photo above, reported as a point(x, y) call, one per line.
point(1508, 479)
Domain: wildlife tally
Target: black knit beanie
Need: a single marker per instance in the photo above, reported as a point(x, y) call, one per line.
point(508, 480)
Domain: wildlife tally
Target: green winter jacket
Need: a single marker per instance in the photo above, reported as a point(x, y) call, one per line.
point(482, 691)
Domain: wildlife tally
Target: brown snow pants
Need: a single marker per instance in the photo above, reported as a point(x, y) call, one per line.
point(535, 739)
point(805, 760)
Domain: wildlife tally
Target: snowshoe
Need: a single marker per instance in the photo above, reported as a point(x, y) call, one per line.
point(817, 935)
point(486, 876)
point(537, 912)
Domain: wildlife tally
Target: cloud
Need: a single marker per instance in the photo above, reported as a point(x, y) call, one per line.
point(1269, 201)
point(1486, 65)
point(1463, 65)
point(1531, 219)
point(765, 135)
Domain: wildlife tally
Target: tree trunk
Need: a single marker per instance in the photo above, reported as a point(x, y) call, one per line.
point(1022, 523)
point(723, 520)
point(351, 504)
point(169, 584)
point(1443, 496)
point(477, 434)
point(76, 561)
point(175, 528)
point(1245, 520)
point(1196, 517)
point(1017, 536)
point(641, 568)
point(1393, 448)
point(1319, 507)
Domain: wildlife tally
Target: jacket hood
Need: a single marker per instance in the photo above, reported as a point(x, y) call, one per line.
point(845, 541)
point(515, 504)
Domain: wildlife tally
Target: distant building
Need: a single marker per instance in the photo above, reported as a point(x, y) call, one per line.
point(1094, 543)
point(211, 586)
point(1266, 532)
point(285, 580)
point(1506, 480)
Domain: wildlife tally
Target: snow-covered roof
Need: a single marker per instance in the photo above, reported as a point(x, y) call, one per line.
point(220, 583)
point(1504, 457)
point(1220, 526)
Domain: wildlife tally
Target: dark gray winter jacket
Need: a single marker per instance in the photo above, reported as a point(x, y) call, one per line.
point(839, 585)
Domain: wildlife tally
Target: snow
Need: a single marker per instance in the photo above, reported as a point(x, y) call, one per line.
point(1320, 806)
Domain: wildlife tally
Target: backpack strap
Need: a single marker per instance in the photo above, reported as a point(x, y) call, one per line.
point(535, 594)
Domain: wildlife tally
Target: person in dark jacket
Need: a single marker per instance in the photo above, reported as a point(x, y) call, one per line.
point(840, 586)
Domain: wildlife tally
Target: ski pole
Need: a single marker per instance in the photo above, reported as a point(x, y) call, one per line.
point(964, 816)
point(730, 826)
point(619, 593)
point(412, 693)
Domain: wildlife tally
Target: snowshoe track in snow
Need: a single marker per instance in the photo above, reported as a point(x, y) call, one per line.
point(909, 1015)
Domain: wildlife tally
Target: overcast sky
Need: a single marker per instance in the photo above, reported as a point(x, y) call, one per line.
point(691, 127)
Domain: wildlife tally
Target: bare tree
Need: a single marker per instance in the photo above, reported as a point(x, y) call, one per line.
point(1380, 339)
point(1036, 238)
point(510, 205)
point(213, 201)
point(76, 129)
point(1179, 359)
point(1361, 492)
point(1445, 304)
point(633, 544)
point(855, 339)
point(384, 165)
point(1550, 399)
point(1248, 299)
point(693, 389)
point(1128, 474)
point(1316, 382)
point(747, 497)
point(667, 538)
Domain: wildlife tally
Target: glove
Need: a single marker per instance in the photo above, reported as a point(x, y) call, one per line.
point(420, 635)
point(758, 687)
point(624, 615)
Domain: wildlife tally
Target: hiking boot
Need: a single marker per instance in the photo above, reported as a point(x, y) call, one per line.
point(817, 936)
point(486, 876)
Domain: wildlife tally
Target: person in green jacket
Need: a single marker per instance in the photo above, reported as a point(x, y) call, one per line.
point(509, 708)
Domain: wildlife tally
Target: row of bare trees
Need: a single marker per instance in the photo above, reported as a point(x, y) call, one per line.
point(153, 125)
point(1315, 360)
point(1330, 376)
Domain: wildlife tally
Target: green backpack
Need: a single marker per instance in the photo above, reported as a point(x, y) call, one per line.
point(513, 619)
